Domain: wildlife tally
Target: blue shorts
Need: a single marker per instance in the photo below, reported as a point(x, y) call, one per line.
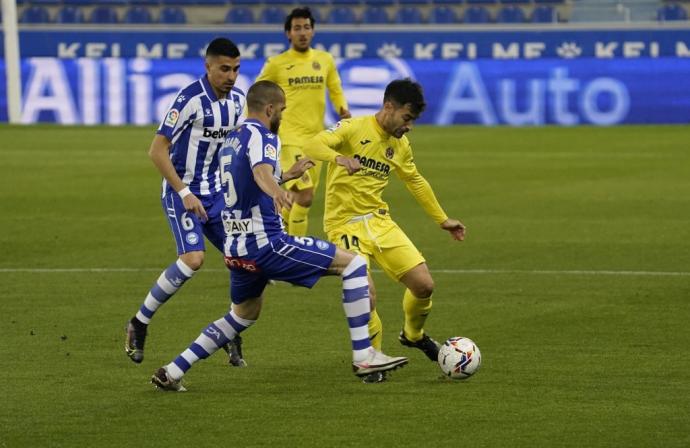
point(188, 229)
point(298, 260)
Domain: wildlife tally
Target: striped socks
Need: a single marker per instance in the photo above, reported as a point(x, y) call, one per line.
point(215, 336)
point(357, 306)
point(167, 284)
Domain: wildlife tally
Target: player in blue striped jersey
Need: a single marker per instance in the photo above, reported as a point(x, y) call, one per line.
point(184, 150)
point(257, 249)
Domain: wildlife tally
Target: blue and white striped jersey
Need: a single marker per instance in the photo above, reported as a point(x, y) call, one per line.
point(249, 217)
point(197, 124)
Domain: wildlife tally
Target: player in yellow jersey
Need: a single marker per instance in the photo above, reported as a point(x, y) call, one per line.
point(304, 74)
point(364, 152)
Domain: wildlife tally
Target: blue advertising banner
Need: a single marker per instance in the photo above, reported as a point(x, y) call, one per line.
point(488, 92)
point(420, 44)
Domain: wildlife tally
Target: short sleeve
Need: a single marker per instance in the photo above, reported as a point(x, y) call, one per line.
point(262, 149)
point(179, 116)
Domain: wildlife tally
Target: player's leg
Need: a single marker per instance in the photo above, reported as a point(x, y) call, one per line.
point(353, 237)
point(188, 233)
point(401, 260)
point(365, 359)
point(247, 293)
point(303, 190)
point(303, 261)
point(298, 218)
point(215, 233)
point(416, 307)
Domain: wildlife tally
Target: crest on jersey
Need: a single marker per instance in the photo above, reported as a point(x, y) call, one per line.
point(270, 152)
point(315, 65)
point(172, 117)
point(389, 153)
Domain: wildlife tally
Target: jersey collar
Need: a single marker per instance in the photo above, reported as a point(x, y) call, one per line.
point(379, 130)
point(255, 122)
point(209, 90)
point(297, 54)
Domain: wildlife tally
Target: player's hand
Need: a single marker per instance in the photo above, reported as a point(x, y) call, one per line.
point(194, 205)
point(344, 113)
point(455, 227)
point(299, 168)
point(282, 200)
point(352, 165)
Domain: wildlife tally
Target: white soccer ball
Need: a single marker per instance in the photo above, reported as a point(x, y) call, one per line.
point(459, 358)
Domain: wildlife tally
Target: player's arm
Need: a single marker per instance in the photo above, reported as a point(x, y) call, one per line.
point(322, 147)
point(296, 170)
point(335, 91)
point(421, 190)
point(159, 152)
point(263, 176)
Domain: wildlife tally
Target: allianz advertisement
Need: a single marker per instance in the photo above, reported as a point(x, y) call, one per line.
point(515, 79)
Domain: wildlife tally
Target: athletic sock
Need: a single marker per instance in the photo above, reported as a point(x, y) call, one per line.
point(375, 330)
point(215, 336)
point(416, 310)
point(167, 284)
point(357, 306)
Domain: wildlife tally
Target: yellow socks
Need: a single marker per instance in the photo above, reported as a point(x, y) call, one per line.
point(375, 330)
point(298, 221)
point(416, 310)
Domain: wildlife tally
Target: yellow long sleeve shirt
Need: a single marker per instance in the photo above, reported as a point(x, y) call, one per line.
point(380, 155)
point(304, 77)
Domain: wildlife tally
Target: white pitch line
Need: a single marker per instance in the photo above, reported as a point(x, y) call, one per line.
point(435, 271)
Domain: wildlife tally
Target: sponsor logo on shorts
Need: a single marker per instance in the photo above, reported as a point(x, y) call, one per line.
point(192, 238)
point(172, 117)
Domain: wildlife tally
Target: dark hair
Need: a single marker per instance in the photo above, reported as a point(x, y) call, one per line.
point(262, 93)
point(303, 13)
point(406, 91)
point(221, 46)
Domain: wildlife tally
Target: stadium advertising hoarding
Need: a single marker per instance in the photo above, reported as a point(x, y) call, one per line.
point(476, 77)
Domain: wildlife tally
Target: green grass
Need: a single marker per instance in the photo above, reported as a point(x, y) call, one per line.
point(569, 359)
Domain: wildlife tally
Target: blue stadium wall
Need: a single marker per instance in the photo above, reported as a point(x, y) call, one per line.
point(520, 77)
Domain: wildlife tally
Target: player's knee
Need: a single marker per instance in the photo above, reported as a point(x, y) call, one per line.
point(193, 259)
point(423, 289)
point(356, 264)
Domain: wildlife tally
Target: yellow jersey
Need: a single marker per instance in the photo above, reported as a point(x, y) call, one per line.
point(379, 154)
point(304, 77)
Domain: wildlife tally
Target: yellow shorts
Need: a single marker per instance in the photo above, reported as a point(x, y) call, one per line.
point(380, 238)
point(289, 154)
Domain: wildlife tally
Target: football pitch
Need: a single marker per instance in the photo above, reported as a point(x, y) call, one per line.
point(574, 281)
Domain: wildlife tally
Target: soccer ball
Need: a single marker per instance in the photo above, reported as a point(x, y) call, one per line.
point(459, 358)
